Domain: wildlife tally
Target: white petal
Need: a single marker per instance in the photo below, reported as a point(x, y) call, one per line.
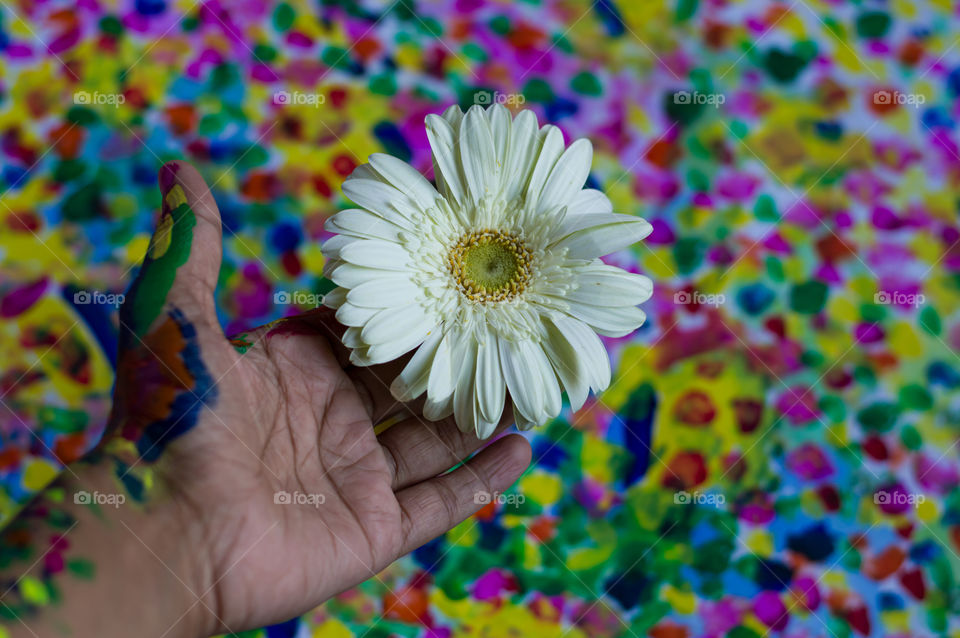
point(443, 143)
point(608, 321)
point(374, 253)
point(550, 151)
point(588, 345)
point(500, 124)
point(603, 285)
point(441, 383)
point(520, 160)
point(392, 324)
point(592, 236)
point(539, 364)
point(405, 178)
point(477, 157)
point(491, 391)
point(384, 292)
point(357, 222)
point(351, 338)
point(350, 276)
point(440, 409)
point(412, 381)
point(589, 201)
point(569, 365)
point(350, 315)
point(465, 408)
point(525, 389)
point(384, 352)
point(332, 247)
point(522, 422)
point(567, 176)
point(383, 199)
point(335, 298)
point(454, 116)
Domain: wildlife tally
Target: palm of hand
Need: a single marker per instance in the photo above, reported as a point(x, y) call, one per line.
point(289, 493)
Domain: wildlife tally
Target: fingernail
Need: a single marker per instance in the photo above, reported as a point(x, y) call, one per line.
point(172, 192)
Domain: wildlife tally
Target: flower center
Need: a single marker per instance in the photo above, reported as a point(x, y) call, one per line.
point(490, 265)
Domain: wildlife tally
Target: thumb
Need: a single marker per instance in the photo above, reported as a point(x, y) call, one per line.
point(182, 263)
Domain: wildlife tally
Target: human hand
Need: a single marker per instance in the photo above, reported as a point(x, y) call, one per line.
point(257, 457)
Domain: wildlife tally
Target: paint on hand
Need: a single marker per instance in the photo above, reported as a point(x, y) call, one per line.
point(163, 386)
point(169, 249)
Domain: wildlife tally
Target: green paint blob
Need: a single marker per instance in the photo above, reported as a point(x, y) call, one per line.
point(383, 84)
point(586, 83)
point(111, 25)
point(878, 417)
point(149, 292)
point(538, 90)
point(688, 252)
point(765, 209)
point(930, 321)
point(686, 9)
point(783, 66)
point(84, 204)
point(915, 397)
point(283, 17)
point(910, 437)
point(834, 407)
point(34, 591)
point(81, 568)
point(809, 297)
point(500, 25)
point(873, 24)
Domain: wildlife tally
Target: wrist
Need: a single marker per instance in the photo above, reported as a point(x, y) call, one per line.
point(151, 567)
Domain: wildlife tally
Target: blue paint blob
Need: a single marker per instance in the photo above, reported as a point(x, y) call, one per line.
point(491, 535)
point(286, 629)
point(638, 415)
point(925, 551)
point(561, 108)
point(953, 82)
point(773, 575)
point(548, 455)
point(815, 542)
point(941, 373)
point(98, 318)
point(755, 299)
point(151, 7)
point(285, 236)
point(393, 141)
point(431, 556)
point(610, 16)
point(627, 588)
point(887, 600)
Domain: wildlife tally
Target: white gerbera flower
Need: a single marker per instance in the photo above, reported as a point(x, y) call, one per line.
point(493, 276)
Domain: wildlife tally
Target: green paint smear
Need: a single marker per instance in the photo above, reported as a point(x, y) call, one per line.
point(150, 290)
point(82, 568)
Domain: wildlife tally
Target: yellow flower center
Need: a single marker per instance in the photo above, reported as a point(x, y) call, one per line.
point(490, 265)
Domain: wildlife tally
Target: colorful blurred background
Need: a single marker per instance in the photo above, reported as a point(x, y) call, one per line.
point(778, 453)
